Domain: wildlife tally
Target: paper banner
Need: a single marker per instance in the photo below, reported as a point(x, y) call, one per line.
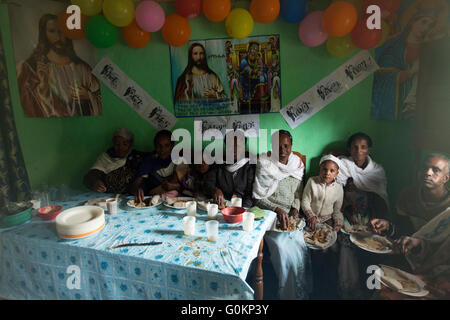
point(248, 123)
point(133, 95)
point(329, 89)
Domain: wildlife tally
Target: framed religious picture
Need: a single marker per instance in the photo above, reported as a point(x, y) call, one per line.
point(53, 72)
point(226, 76)
point(395, 83)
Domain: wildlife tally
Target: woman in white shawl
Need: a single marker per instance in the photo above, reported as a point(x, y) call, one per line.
point(114, 170)
point(365, 201)
point(278, 187)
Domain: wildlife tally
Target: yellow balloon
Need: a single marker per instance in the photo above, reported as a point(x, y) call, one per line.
point(89, 7)
point(119, 12)
point(239, 23)
point(340, 47)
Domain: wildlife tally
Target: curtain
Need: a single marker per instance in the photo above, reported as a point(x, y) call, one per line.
point(14, 183)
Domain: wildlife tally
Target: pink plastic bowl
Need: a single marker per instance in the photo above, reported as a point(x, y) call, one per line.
point(233, 214)
point(49, 212)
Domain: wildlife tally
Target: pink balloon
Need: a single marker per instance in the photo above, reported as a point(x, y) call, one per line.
point(150, 16)
point(311, 31)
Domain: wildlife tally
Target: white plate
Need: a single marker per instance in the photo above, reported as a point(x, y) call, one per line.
point(101, 202)
point(83, 236)
point(300, 227)
point(179, 198)
point(81, 220)
point(129, 203)
point(227, 204)
point(329, 244)
point(422, 293)
point(352, 239)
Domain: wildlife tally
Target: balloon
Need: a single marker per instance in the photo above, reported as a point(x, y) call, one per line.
point(134, 36)
point(176, 30)
point(150, 16)
point(239, 23)
point(189, 8)
point(311, 31)
point(387, 7)
point(119, 12)
point(216, 10)
point(365, 38)
point(357, 4)
point(293, 11)
point(386, 30)
point(265, 11)
point(100, 32)
point(89, 7)
point(75, 34)
point(340, 18)
point(340, 47)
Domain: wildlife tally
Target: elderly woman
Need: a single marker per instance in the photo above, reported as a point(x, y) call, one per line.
point(226, 181)
point(365, 201)
point(115, 169)
point(278, 187)
point(156, 168)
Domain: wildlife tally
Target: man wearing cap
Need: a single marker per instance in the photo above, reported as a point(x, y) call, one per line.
point(115, 169)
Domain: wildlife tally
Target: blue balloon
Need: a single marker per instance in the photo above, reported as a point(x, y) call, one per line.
point(293, 10)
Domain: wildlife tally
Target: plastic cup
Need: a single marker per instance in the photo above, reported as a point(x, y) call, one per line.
point(212, 230)
point(189, 225)
point(248, 219)
point(236, 202)
point(111, 205)
point(191, 208)
point(213, 209)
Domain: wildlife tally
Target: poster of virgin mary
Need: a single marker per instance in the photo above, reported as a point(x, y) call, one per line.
point(395, 83)
point(53, 72)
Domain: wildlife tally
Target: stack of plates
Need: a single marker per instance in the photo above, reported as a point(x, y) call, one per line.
point(80, 222)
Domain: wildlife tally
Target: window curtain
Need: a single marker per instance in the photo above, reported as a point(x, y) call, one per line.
point(14, 183)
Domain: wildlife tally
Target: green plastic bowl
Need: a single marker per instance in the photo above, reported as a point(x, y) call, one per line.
point(16, 219)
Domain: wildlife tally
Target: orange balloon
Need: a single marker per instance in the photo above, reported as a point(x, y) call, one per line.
point(265, 11)
point(134, 36)
point(176, 30)
point(75, 34)
point(340, 18)
point(216, 10)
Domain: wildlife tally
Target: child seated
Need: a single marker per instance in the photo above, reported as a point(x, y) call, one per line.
point(323, 196)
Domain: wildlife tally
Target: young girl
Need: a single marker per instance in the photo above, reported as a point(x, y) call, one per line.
point(321, 203)
point(323, 196)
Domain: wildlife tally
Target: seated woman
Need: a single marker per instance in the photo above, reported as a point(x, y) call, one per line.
point(225, 181)
point(115, 169)
point(155, 169)
point(365, 201)
point(278, 187)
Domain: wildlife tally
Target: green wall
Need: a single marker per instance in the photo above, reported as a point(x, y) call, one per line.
point(60, 150)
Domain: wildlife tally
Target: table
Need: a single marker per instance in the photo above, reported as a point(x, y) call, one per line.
point(36, 264)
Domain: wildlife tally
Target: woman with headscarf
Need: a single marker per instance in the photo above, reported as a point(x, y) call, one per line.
point(278, 187)
point(115, 169)
point(365, 203)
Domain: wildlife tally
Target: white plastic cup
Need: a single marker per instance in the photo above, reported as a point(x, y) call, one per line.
point(191, 208)
point(248, 219)
point(236, 202)
point(213, 209)
point(212, 230)
point(111, 205)
point(189, 225)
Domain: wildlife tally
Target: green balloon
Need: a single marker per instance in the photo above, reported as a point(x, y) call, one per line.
point(340, 47)
point(100, 32)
